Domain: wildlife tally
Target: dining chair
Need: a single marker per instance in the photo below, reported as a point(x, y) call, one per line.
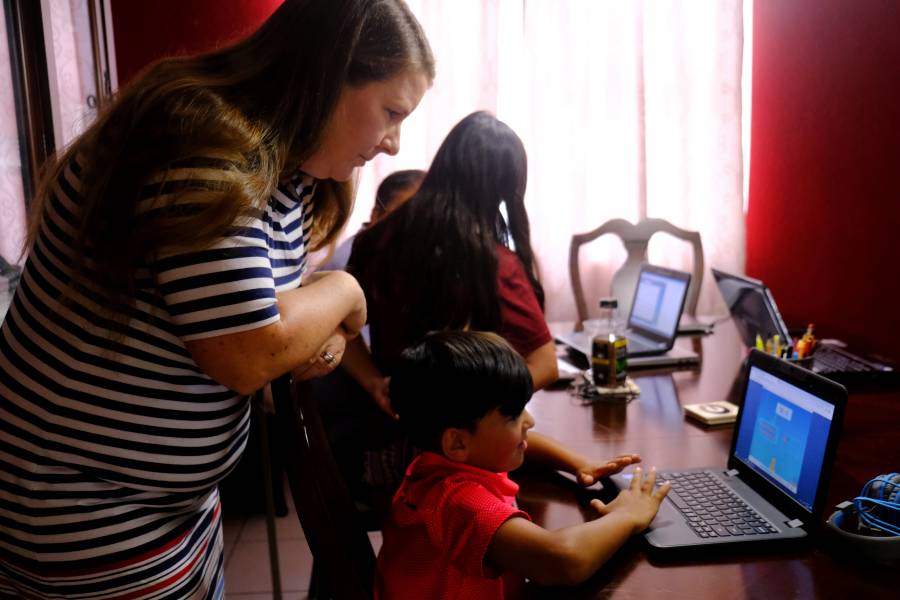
point(335, 529)
point(635, 238)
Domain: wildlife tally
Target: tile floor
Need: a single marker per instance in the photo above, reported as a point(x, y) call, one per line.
point(247, 572)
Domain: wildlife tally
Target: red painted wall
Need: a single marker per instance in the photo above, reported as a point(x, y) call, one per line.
point(147, 31)
point(823, 224)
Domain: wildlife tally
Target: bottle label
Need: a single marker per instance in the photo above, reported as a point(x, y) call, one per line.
point(609, 362)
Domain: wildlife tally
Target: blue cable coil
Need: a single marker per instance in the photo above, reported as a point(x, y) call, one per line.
point(878, 505)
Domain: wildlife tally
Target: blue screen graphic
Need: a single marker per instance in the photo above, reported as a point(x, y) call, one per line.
point(783, 434)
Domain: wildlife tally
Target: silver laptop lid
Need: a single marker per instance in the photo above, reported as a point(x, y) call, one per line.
point(752, 307)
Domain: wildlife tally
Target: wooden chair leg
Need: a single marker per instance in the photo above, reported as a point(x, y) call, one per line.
point(314, 593)
point(271, 532)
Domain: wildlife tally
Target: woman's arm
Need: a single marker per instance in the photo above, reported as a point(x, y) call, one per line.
point(309, 315)
point(542, 364)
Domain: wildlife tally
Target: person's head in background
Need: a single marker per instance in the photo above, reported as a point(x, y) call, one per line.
point(321, 85)
point(394, 190)
point(462, 394)
point(445, 238)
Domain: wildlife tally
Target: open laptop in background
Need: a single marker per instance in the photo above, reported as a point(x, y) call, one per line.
point(776, 482)
point(754, 312)
point(652, 322)
point(656, 309)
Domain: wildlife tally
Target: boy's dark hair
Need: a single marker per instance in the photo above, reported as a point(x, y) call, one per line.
point(453, 379)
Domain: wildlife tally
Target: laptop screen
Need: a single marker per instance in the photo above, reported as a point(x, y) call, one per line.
point(751, 306)
point(657, 303)
point(783, 435)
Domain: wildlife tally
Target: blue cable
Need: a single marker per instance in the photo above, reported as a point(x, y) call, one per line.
point(866, 503)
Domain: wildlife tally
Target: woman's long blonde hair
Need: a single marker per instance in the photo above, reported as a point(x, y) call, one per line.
point(254, 111)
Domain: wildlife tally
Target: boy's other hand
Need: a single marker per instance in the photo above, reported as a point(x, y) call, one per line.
point(590, 471)
point(640, 501)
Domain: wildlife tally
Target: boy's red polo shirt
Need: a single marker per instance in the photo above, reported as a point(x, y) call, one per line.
point(442, 519)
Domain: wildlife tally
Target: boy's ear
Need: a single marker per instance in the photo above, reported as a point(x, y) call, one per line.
point(455, 444)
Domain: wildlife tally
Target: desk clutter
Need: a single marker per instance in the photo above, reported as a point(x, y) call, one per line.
point(584, 388)
point(759, 323)
point(829, 358)
point(799, 350)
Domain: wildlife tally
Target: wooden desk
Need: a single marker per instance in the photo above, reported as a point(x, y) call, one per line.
point(654, 426)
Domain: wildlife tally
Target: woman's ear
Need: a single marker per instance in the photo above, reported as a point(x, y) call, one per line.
point(455, 444)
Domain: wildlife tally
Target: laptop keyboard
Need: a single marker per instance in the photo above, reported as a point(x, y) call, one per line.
point(830, 360)
point(637, 345)
point(711, 508)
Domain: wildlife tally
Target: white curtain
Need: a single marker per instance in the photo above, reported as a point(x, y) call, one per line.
point(627, 108)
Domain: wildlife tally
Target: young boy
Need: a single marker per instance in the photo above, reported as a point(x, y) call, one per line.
point(454, 531)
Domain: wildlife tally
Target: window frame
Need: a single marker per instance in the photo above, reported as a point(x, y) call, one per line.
point(31, 89)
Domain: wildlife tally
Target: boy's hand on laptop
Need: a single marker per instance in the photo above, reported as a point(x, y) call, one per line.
point(640, 501)
point(590, 471)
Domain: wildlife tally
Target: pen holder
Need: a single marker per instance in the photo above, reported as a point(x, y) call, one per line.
point(806, 362)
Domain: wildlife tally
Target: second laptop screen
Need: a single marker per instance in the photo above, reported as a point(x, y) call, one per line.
point(657, 303)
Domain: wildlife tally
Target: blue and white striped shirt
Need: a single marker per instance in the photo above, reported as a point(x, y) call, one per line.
point(112, 440)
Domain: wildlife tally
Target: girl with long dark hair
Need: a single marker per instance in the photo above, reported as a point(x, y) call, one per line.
point(450, 259)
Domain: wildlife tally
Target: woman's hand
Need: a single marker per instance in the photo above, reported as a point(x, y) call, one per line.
point(326, 359)
point(639, 502)
point(589, 471)
point(332, 304)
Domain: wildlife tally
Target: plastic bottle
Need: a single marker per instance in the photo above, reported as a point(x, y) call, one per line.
point(609, 347)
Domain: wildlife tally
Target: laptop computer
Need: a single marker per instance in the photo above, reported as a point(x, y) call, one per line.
point(754, 312)
point(776, 481)
point(656, 309)
point(652, 321)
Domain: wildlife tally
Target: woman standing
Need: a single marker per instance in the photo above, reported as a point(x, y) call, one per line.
point(163, 286)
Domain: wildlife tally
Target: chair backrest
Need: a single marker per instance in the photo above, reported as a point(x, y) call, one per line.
point(332, 524)
point(635, 238)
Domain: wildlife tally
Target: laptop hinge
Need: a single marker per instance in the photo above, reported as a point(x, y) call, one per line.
point(794, 523)
point(731, 472)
